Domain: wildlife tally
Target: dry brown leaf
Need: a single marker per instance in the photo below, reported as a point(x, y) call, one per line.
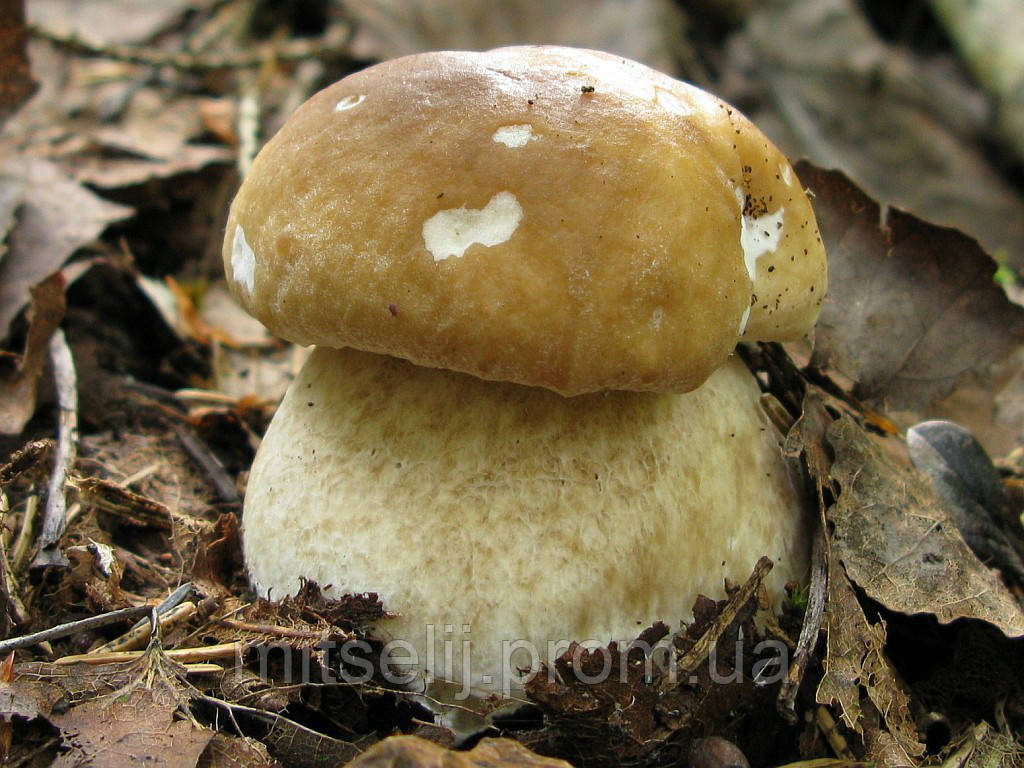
point(27, 698)
point(225, 751)
point(58, 216)
point(15, 80)
point(893, 536)
point(912, 312)
point(126, 729)
point(414, 752)
point(18, 390)
point(904, 126)
point(107, 20)
point(856, 659)
point(644, 30)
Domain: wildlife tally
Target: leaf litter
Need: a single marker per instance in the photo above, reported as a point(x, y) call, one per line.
point(921, 640)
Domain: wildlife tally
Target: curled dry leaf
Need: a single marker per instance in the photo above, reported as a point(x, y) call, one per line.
point(56, 218)
point(856, 659)
point(896, 542)
point(912, 313)
point(18, 389)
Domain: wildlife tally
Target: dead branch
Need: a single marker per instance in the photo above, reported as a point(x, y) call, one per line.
point(181, 655)
point(702, 648)
point(55, 520)
point(211, 465)
point(72, 627)
point(815, 613)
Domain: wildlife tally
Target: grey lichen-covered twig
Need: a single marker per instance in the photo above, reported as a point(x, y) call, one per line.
point(71, 628)
point(55, 520)
point(988, 35)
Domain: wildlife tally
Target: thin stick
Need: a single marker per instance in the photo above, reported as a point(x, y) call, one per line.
point(202, 653)
point(19, 552)
point(210, 464)
point(72, 627)
point(54, 520)
point(139, 635)
point(813, 617)
point(272, 629)
point(702, 648)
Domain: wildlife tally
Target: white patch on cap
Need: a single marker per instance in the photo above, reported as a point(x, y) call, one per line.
point(450, 233)
point(514, 135)
point(744, 319)
point(787, 174)
point(243, 260)
point(759, 235)
point(348, 102)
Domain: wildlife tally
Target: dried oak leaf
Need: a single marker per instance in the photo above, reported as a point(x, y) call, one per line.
point(912, 312)
point(15, 80)
point(896, 542)
point(856, 660)
point(56, 218)
point(126, 729)
point(414, 752)
point(18, 387)
point(226, 751)
point(27, 698)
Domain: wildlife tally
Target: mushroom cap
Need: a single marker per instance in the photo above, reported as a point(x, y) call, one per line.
point(548, 216)
point(510, 513)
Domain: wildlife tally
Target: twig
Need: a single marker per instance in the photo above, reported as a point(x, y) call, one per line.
point(54, 520)
point(182, 655)
point(813, 616)
point(702, 648)
point(202, 455)
point(144, 627)
point(20, 550)
point(330, 46)
point(139, 634)
point(72, 627)
point(24, 459)
point(272, 629)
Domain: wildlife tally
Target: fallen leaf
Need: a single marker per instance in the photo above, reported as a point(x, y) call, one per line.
point(826, 87)
point(414, 752)
point(643, 30)
point(92, 20)
point(897, 543)
point(27, 698)
point(122, 730)
point(226, 751)
point(965, 478)
point(912, 313)
point(16, 84)
point(856, 660)
point(58, 216)
point(18, 389)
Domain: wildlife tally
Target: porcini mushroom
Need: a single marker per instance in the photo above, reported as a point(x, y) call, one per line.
point(516, 265)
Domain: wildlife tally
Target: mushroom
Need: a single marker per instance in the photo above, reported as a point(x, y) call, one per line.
point(525, 271)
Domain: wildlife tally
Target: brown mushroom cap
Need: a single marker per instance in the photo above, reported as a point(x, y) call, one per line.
point(548, 216)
